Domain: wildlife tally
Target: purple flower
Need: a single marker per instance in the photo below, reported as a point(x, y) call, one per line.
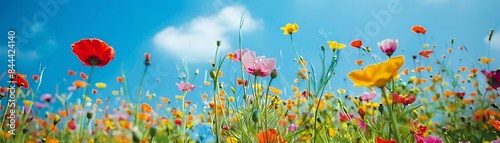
point(71, 88)
point(493, 78)
point(237, 55)
point(121, 116)
point(292, 127)
point(258, 66)
point(388, 46)
point(496, 141)
point(185, 86)
point(368, 96)
point(47, 98)
point(39, 105)
point(428, 139)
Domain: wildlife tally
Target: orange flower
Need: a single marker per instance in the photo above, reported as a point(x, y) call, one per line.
point(79, 84)
point(119, 79)
point(165, 99)
point(93, 52)
point(418, 29)
point(146, 108)
point(83, 75)
point(462, 69)
point(496, 124)
point(269, 136)
point(425, 53)
point(71, 73)
point(405, 71)
point(357, 43)
point(380, 140)
point(359, 62)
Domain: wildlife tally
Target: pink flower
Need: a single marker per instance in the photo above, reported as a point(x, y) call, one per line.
point(368, 96)
point(428, 139)
point(258, 66)
point(292, 127)
point(496, 141)
point(237, 55)
point(71, 88)
point(39, 105)
point(185, 86)
point(361, 124)
point(345, 117)
point(388, 46)
point(493, 78)
point(47, 98)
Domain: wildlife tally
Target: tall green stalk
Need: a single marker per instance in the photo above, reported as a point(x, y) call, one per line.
point(82, 133)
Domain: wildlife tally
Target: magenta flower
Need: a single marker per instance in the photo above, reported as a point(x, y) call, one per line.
point(185, 86)
point(428, 139)
point(345, 117)
point(47, 98)
point(292, 128)
point(493, 78)
point(258, 66)
point(496, 141)
point(366, 96)
point(39, 105)
point(388, 46)
point(237, 55)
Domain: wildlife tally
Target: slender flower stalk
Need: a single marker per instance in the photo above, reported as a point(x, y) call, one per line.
point(82, 117)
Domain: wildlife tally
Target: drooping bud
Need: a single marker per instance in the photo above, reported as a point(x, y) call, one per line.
point(322, 47)
point(218, 43)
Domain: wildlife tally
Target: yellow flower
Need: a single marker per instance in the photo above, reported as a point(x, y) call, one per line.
point(100, 85)
point(341, 91)
point(332, 132)
point(334, 45)
point(115, 92)
point(377, 74)
point(231, 99)
point(27, 102)
point(275, 90)
point(426, 45)
point(290, 28)
point(485, 60)
point(231, 140)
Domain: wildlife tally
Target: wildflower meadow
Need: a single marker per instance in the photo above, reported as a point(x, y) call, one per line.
point(245, 97)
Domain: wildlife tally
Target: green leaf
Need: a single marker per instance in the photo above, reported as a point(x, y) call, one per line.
point(408, 111)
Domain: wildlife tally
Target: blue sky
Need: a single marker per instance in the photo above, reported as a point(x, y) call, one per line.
point(175, 30)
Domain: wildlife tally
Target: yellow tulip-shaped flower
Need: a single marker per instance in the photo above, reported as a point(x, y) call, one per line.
point(335, 45)
point(290, 28)
point(377, 74)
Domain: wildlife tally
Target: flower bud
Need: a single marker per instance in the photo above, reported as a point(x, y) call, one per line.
point(89, 115)
point(218, 43)
point(255, 116)
point(274, 74)
point(148, 59)
point(322, 47)
point(153, 131)
point(56, 119)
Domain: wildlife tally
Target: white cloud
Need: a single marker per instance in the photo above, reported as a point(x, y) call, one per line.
point(195, 41)
point(495, 41)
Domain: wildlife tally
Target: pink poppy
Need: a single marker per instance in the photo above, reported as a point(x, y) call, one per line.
point(388, 46)
point(185, 86)
point(368, 96)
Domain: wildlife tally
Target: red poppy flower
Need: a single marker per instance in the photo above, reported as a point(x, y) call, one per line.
point(380, 140)
point(425, 53)
point(416, 128)
point(357, 43)
point(418, 29)
point(71, 73)
point(36, 77)
point(408, 99)
point(20, 81)
point(93, 52)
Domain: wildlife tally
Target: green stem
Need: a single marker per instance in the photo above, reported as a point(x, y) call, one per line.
point(85, 102)
point(265, 107)
point(295, 49)
point(393, 118)
point(139, 94)
point(184, 112)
